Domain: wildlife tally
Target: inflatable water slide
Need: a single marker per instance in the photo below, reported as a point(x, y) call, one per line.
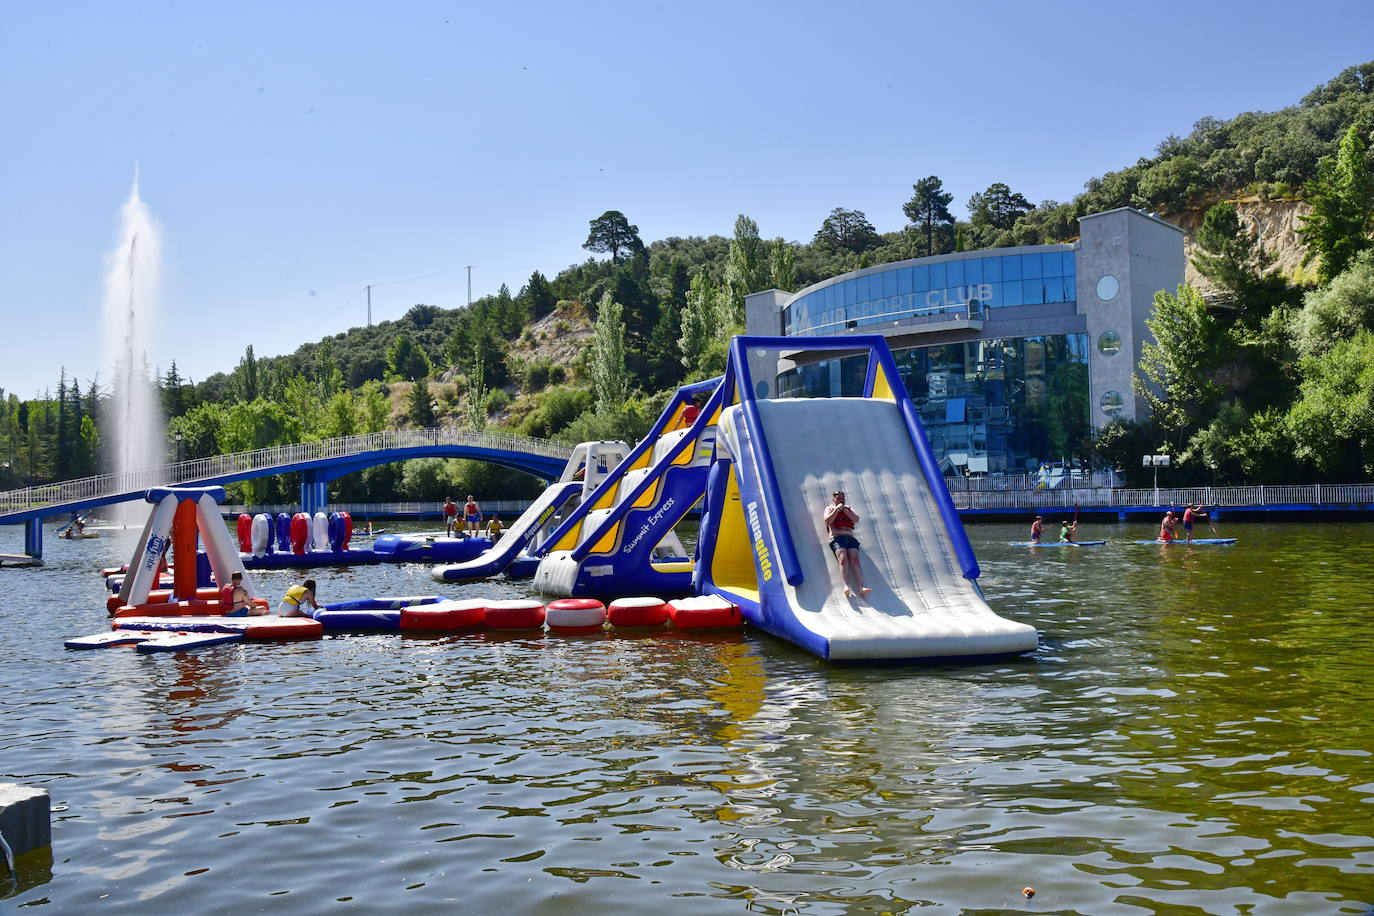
point(620, 539)
point(591, 463)
point(763, 546)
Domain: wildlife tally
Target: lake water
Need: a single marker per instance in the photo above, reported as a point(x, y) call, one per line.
point(1194, 735)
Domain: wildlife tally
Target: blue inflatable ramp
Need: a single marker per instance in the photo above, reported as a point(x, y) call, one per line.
point(763, 544)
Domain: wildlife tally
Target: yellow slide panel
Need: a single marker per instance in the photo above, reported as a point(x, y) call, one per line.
point(882, 390)
point(732, 558)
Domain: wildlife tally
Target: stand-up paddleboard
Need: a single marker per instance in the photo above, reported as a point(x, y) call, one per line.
point(1195, 542)
point(175, 642)
point(1056, 543)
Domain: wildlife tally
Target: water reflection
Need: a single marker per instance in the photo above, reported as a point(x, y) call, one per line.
point(1191, 735)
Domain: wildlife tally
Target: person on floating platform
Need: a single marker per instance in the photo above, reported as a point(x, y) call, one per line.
point(1037, 529)
point(297, 595)
point(495, 528)
point(1191, 514)
point(450, 510)
point(840, 519)
point(236, 597)
point(1067, 531)
point(473, 516)
point(1167, 527)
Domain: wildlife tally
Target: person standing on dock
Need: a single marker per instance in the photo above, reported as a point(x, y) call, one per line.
point(840, 519)
point(473, 516)
point(1037, 529)
point(450, 510)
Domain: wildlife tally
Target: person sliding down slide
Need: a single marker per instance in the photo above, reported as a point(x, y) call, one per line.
point(840, 519)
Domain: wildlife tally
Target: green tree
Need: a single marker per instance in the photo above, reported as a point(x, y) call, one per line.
point(1338, 311)
point(420, 405)
point(746, 268)
point(375, 409)
point(245, 378)
point(1176, 375)
point(1342, 199)
point(701, 320)
point(539, 296)
point(783, 266)
point(928, 209)
point(1333, 420)
point(999, 207)
point(849, 230)
point(612, 233)
point(610, 385)
point(407, 361)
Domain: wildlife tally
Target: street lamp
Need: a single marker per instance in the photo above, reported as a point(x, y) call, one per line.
point(178, 438)
point(1156, 462)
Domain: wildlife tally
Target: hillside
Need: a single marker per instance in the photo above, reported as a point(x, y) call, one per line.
point(525, 361)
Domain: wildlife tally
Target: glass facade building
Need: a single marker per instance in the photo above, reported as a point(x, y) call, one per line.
point(932, 288)
point(998, 405)
point(1012, 355)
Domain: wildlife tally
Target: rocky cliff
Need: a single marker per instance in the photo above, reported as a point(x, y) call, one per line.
point(1277, 221)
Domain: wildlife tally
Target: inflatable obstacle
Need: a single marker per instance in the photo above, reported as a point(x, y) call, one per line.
point(620, 538)
point(591, 463)
point(762, 543)
point(299, 541)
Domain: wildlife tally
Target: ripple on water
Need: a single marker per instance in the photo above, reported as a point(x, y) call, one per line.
point(1190, 736)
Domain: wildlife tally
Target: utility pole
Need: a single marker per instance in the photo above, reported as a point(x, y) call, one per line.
point(369, 305)
point(469, 285)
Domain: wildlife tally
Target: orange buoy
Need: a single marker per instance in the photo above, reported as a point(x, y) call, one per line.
point(576, 615)
point(637, 612)
point(706, 611)
point(444, 616)
point(515, 614)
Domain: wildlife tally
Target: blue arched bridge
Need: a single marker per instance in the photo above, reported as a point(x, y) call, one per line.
point(317, 462)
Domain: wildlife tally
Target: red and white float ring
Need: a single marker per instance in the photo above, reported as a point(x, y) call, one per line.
point(515, 614)
point(576, 615)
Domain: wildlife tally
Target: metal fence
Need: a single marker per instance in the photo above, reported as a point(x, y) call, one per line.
point(104, 485)
point(1104, 497)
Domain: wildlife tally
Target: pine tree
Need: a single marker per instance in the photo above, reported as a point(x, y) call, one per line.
point(420, 405)
point(746, 267)
point(783, 266)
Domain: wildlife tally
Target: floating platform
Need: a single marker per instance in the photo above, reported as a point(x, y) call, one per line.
point(310, 558)
point(19, 559)
point(1195, 542)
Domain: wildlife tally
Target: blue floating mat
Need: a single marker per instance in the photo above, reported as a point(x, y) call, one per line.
point(311, 558)
point(175, 642)
point(1205, 542)
point(1056, 543)
point(359, 620)
point(112, 638)
point(522, 568)
point(379, 604)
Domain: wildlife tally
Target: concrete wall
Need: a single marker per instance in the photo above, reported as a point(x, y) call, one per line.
point(1144, 254)
point(763, 317)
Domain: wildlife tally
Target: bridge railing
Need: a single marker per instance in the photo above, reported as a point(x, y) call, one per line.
point(103, 485)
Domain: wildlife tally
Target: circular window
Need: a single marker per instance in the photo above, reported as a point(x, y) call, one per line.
point(1112, 403)
point(760, 389)
point(1109, 343)
point(1107, 288)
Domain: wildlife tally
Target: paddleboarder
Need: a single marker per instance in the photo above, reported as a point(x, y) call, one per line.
point(1190, 514)
point(1067, 532)
point(1167, 526)
point(1037, 529)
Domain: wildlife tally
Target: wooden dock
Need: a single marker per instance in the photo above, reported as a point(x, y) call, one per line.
point(19, 559)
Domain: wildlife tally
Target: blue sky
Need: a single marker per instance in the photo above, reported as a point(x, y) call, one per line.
point(293, 153)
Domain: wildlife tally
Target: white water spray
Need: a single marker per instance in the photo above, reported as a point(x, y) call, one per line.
point(133, 423)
